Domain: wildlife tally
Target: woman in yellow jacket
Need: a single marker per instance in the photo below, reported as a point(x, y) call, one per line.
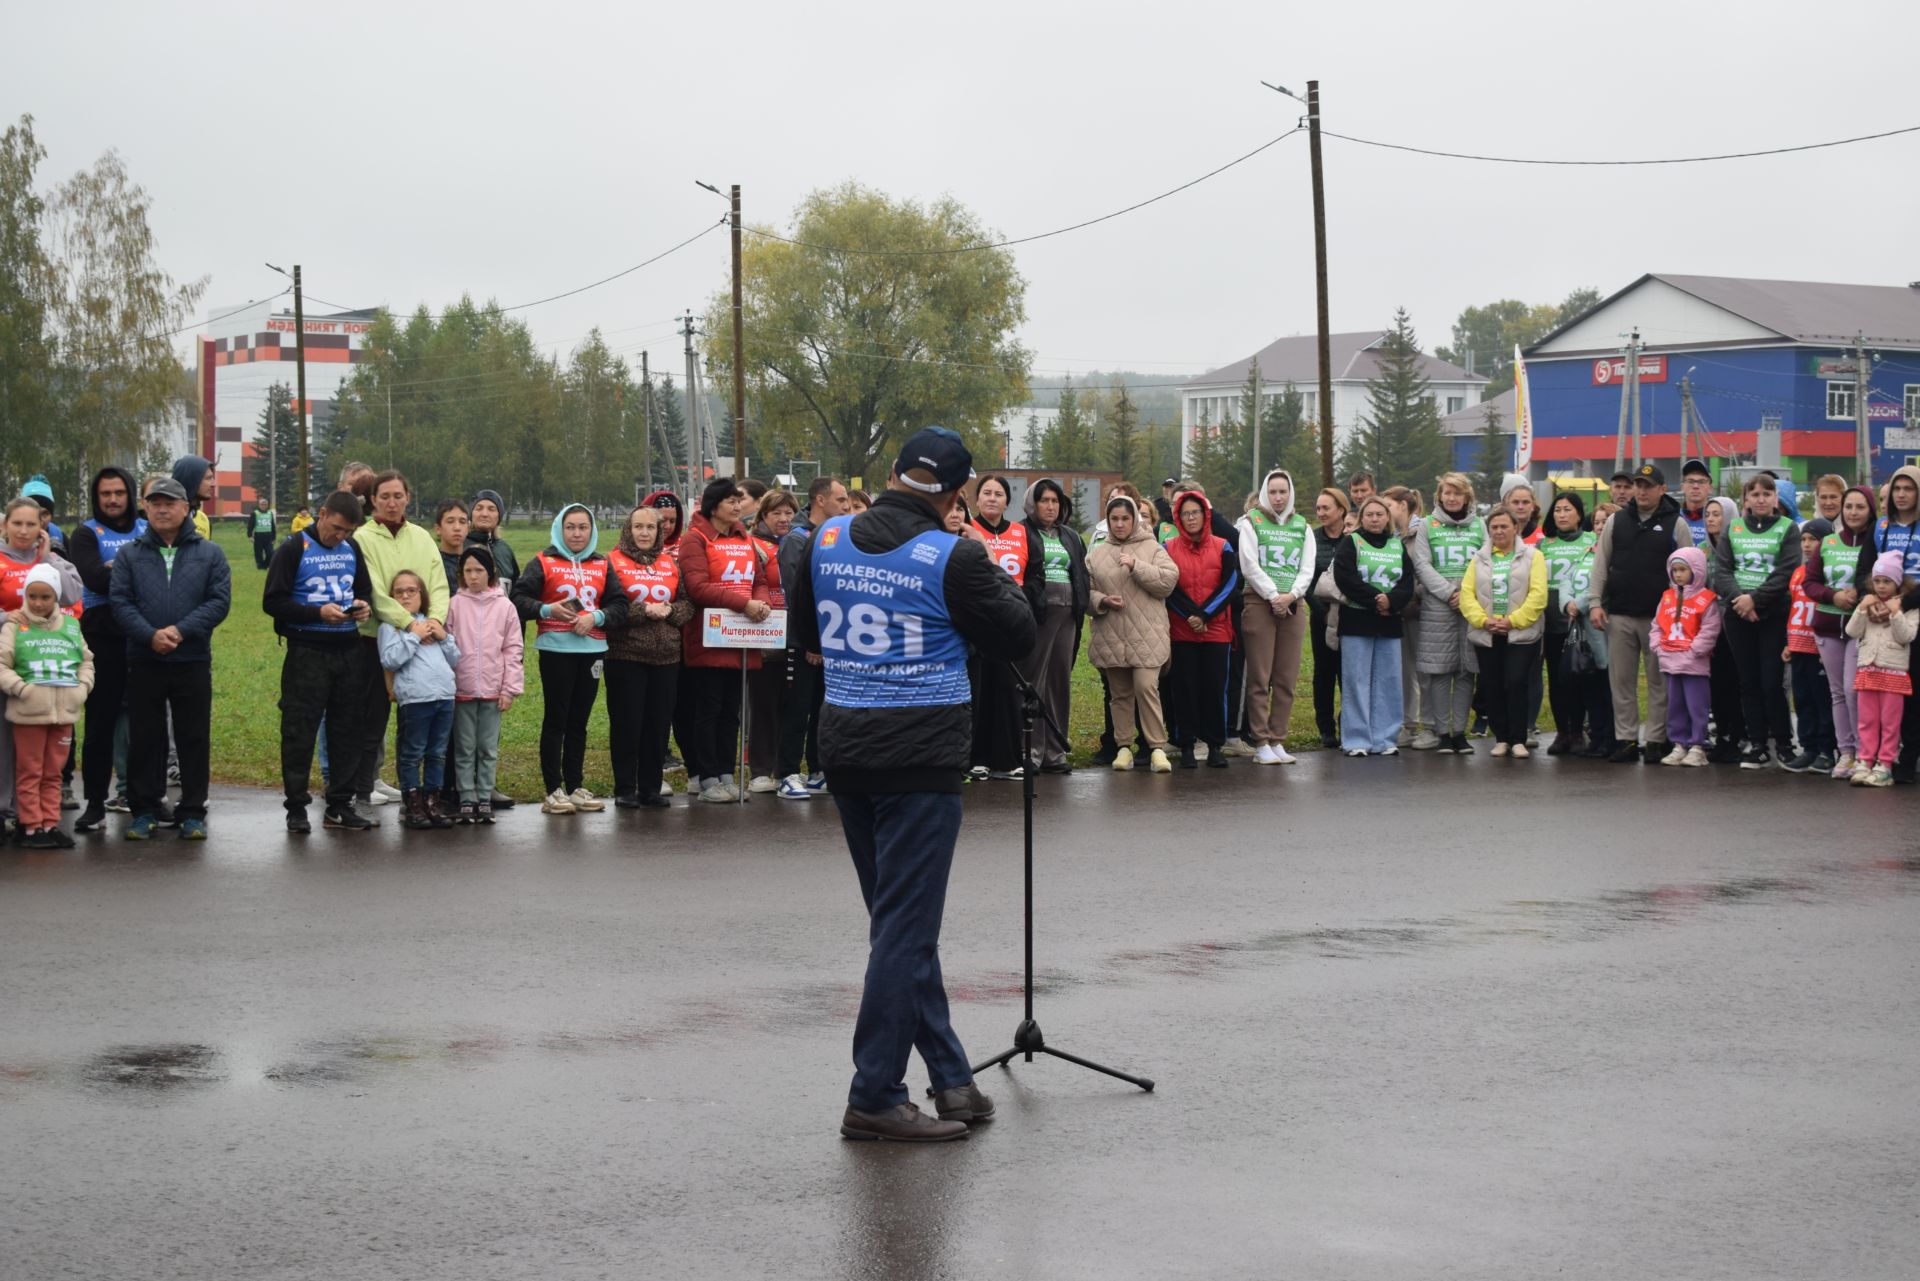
point(1504, 600)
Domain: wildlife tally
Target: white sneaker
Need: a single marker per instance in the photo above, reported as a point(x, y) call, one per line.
point(763, 783)
point(1696, 757)
point(1265, 756)
point(1405, 737)
point(794, 788)
point(666, 788)
point(1678, 756)
point(1499, 749)
point(1520, 751)
point(1159, 763)
point(1123, 759)
point(383, 794)
point(816, 782)
point(586, 802)
point(1236, 747)
point(1533, 739)
point(1281, 756)
point(556, 803)
point(719, 791)
point(1425, 741)
point(1844, 767)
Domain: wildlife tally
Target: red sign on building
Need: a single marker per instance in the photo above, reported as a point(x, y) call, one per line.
point(1609, 373)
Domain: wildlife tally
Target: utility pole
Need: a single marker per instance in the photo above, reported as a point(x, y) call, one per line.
point(646, 419)
point(1628, 405)
point(1862, 443)
point(1320, 286)
point(1633, 381)
point(693, 422)
point(1686, 413)
point(739, 355)
point(273, 462)
point(300, 375)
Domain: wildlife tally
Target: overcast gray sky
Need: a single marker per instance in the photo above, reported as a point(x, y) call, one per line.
point(404, 152)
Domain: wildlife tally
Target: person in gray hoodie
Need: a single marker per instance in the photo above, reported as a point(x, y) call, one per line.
point(1441, 548)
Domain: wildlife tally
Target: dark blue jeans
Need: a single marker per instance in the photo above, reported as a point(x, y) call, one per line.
point(422, 737)
point(902, 847)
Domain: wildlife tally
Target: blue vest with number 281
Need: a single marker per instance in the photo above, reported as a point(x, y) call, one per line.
point(325, 577)
point(886, 639)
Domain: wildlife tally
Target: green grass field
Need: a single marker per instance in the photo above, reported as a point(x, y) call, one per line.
point(246, 674)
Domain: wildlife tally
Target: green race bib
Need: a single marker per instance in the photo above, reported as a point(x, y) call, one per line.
point(1379, 566)
point(1053, 555)
point(1453, 546)
point(1282, 544)
point(42, 657)
point(1755, 552)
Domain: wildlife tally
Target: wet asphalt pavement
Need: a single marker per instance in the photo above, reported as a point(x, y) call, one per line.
point(1403, 1025)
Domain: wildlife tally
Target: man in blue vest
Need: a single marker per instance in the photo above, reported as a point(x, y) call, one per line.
point(96, 541)
point(317, 592)
point(891, 602)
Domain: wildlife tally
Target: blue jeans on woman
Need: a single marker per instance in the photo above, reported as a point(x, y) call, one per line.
point(422, 737)
point(1370, 707)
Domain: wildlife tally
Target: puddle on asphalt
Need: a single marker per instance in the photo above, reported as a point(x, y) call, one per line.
point(357, 1057)
point(154, 1067)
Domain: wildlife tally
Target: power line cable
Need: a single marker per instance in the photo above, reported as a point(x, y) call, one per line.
point(1022, 240)
point(1668, 160)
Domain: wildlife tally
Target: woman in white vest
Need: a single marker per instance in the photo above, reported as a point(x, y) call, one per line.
point(1441, 549)
point(1276, 559)
point(1504, 600)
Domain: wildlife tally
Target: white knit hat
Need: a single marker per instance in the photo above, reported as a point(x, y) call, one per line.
point(43, 573)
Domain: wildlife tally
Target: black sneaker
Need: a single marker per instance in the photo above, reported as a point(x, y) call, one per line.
point(1330, 741)
point(297, 824)
point(348, 819)
point(60, 839)
point(1756, 758)
point(1625, 754)
point(1216, 759)
point(1657, 752)
point(1822, 764)
point(1903, 771)
point(1802, 763)
point(1461, 747)
point(1188, 760)
point(118, 804)
point(1481, 727)
point(1724, 752)
point(94, 816)
point(39, 841)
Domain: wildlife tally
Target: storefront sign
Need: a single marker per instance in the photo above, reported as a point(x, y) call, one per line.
point(1608, 373)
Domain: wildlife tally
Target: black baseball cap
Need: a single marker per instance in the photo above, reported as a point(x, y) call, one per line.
point(1649, 473)
point(167, 487)
point(934, 461)
point(1694, 467)
point(1622, 474)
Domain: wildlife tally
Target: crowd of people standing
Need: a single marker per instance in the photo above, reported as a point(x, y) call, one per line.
point(1765, 640)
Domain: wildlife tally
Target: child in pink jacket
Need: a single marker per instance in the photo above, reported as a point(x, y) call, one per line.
point(489, 676)
point(1685, 629)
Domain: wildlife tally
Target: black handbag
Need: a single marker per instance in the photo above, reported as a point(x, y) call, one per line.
point(1579, 651)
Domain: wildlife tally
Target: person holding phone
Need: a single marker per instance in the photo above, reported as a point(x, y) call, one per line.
point(316, 592)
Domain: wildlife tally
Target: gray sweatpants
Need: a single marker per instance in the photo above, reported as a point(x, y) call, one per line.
point(1050, 668)
point(1446, 699)
point(1626, 646)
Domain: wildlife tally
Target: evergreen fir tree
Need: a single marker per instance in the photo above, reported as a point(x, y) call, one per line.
point(1399, 440)
point(1125, 444)
point(1069, 441)
point(277, 426)
point(1496, 455)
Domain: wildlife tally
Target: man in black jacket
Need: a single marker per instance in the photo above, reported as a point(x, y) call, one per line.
point(891, 602)
point(1629, 578)
point(170, 588)
point(92, 546)
point(316, 592)
point(800, 722)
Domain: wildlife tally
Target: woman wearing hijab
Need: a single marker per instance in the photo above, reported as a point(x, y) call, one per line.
point(1130, 575)
point(643, 659)
point(565, 592)
point(1056, 554)
point(1276, 562)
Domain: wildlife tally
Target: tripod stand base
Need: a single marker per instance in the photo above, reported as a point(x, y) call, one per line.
point(1027, 1040)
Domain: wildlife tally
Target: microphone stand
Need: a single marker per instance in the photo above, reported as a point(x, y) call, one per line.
point(1027, 1040)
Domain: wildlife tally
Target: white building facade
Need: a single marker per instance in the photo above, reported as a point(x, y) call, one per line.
point(1215, 397)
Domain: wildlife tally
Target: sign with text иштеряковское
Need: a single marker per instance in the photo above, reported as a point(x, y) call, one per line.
point(726, 629)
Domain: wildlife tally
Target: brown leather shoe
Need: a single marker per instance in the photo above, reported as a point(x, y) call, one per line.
point(905, 1124)
point(963, 1103)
